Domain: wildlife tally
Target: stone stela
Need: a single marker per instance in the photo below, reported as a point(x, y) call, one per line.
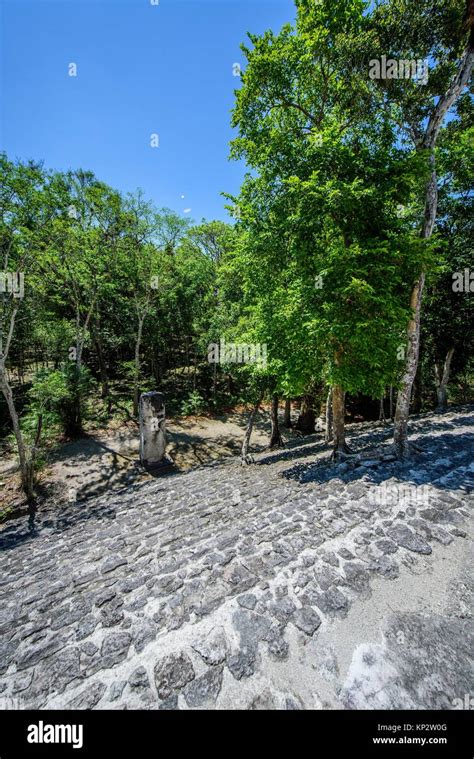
point(152, 430)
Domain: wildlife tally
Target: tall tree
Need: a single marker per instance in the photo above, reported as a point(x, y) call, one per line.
point(22, 218)
point(447, 315)
point(440, 33)
point(331, 175)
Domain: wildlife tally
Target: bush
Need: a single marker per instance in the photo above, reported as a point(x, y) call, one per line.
point(194, 404)
point(59, 396)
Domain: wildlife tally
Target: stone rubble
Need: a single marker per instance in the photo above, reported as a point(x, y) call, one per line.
point(208, 589)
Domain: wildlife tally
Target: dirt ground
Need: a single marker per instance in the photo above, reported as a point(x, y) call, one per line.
point(108, 459)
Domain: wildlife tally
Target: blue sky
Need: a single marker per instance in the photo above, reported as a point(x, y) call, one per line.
point(142, 69)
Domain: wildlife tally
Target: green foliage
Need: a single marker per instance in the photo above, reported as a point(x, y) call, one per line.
point(318, 266)
point(193, 405)
point(54, 395)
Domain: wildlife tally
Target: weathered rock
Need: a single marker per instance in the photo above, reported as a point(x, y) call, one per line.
point(283, 609)
point(264, 702)
point(22, 682)
point(441, 536)
point(345, 554)
point(152, 429)
point(31, 655)
point(145, 634)
point(112, 563)
point(7, 651)
point(169, 704)
point(111, 613)
point(247, 601)
point(242, 663)
point(194, 542)
point(115, 648)
point(131, 583)
point(204, 690)
point(212, 647)
point(307, 620)
point(239, 577)
point(139, 679)
point(432, 514)
point(356, 575)
point(329, 558)
point(65, 667)
point(386, 566)
point(65, 616)
point(89, 648)
point(89, 697)
point(86, 627)
point(406, 538)
point(331, 601)
point(116, 689)
point(105, 595)
point(326, 576)
point(324, 660)
point(386, 546)
point(172, 673)
point(293, 704)
point(278, 647)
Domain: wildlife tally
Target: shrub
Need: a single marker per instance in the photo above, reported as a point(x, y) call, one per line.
point(194, 404)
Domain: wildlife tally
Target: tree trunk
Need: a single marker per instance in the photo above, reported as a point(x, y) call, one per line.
point(136, 384)
point(195, 369)
point(156, 368)
point(287, 417)
point(391, 403)
point(25, 456)
point(402, 412)
point(445, 102)
point(382, 410)
point(245, 457)
point(307, 417)
point(73, 426)
point(186, 351)
point(329, 432)
point(21, 367)
point(104, 380)
point(339, 412)
point(417, 398)
point(275, 437)
point(442, 379)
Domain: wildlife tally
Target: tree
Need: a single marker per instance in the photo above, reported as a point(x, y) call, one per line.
point(74, 262)
point(330, 181)
point(447, 318)
point(22, 216)
point(440, 33)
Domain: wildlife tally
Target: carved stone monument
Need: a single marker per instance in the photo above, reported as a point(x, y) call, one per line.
point(152, 430)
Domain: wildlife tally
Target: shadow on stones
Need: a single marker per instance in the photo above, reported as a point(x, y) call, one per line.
point(66, 517)
point(421, 470)
point(424, 468)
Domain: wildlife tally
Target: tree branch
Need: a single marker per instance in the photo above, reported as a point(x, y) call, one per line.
point(445, 102)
